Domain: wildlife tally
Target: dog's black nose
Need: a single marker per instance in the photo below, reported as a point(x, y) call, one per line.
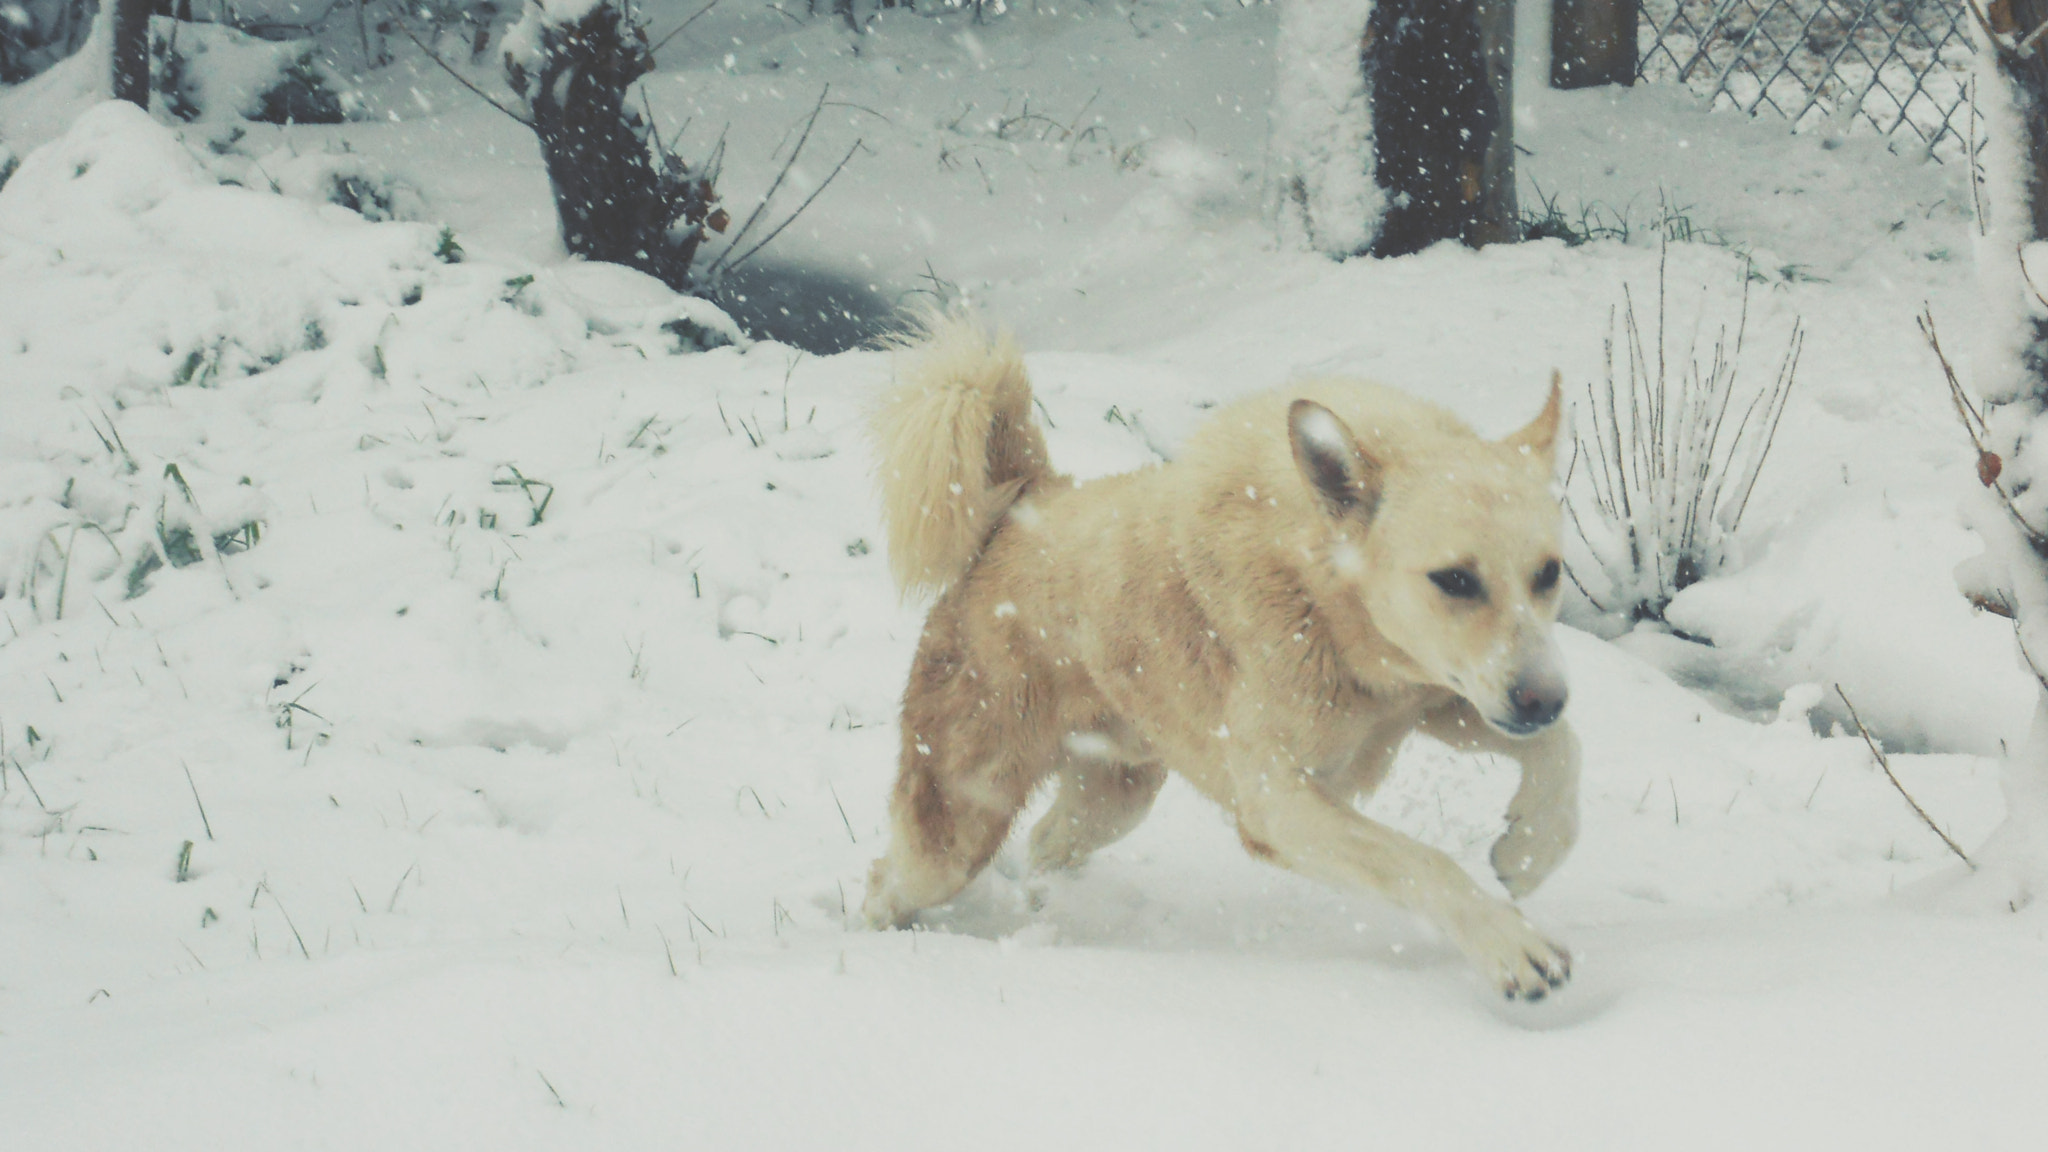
point(1536, 705)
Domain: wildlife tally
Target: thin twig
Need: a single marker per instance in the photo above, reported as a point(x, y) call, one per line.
point(1886, 764)
point(2026, 47)
point(208, 824)
point(860, 108)
point(842, 813)
point(700, 920)
point(667, 951)
point(663, 42)
point(762, 205)
point(2020, 253)
point(559, 1102)
point(392, 904)
point(1975, 427)
point(459, 78)
point(1973, 421)
point(23, 773)
point(2019, 636)
point(791, 218)
point(303, 950)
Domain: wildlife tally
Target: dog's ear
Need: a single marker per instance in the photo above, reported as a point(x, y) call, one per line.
point(1347, 480)
point(1540, 436)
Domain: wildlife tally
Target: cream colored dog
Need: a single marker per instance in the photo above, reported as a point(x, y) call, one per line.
point(1326, 569)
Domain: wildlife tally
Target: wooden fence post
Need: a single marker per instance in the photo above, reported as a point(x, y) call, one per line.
point(1441, 78)
point(1500, 217)
point(1593, 42)
point(130, 66)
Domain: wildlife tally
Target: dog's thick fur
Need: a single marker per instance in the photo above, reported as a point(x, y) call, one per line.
point(1326, 569)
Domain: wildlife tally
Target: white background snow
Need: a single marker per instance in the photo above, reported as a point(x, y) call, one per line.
point(544, 731)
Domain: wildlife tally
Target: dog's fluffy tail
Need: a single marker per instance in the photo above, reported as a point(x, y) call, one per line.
point(956, 447)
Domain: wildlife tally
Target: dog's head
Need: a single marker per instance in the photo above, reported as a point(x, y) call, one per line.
point(1450, 543)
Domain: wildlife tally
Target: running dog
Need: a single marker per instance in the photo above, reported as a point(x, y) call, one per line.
point(1325, 569)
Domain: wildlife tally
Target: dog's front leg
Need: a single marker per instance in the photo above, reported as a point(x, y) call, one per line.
point(1284, 818)
point(1543, 818)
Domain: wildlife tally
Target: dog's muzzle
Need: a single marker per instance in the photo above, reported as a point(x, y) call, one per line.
point(1535, 700)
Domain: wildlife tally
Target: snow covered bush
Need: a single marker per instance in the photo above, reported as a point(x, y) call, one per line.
point(210, 71)
point(1666, 455)
point(622, 196)
point(348, 179)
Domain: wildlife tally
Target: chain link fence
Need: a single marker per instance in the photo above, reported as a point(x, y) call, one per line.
point(1899, 67)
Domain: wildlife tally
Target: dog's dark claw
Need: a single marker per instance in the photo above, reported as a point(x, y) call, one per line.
point(1549, 974)
point(1554, 973)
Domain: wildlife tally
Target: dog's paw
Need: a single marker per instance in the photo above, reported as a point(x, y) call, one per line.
point(1537, 973)
point(881, 910)
point(879, 916)
point(1521, 962)
point(1529, 851)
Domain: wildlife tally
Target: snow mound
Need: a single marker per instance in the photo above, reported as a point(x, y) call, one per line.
point(129, 277)
point(1855, 597)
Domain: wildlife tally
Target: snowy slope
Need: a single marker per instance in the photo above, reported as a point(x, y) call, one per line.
point(532, 750)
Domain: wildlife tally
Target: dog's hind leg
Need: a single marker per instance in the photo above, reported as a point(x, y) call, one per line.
point(943, 830)
point(976, 741)
point(1098, 804)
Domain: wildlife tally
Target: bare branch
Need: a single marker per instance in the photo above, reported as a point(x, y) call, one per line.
point(1886, 764)
point(761, 206)
point(791, 218)
point(2020, 638)
point(2020, 253)
point(1984, 22)
point(1974, 425)
point(486, 97)
point(663, 42)
point(860, 108)
point(2026, 47)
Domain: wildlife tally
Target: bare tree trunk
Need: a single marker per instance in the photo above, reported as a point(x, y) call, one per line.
point(619, 200)
point(131, 51)
point(1593, 42)
point(1441, 78)
point(2029, 77)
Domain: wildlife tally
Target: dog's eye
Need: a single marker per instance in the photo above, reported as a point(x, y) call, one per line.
point(1546, 577)
point(1458, 583)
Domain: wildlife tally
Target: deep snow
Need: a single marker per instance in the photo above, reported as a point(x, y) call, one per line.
point(543, 732)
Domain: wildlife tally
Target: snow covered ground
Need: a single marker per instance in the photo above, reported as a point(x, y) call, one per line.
point(523, 684)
